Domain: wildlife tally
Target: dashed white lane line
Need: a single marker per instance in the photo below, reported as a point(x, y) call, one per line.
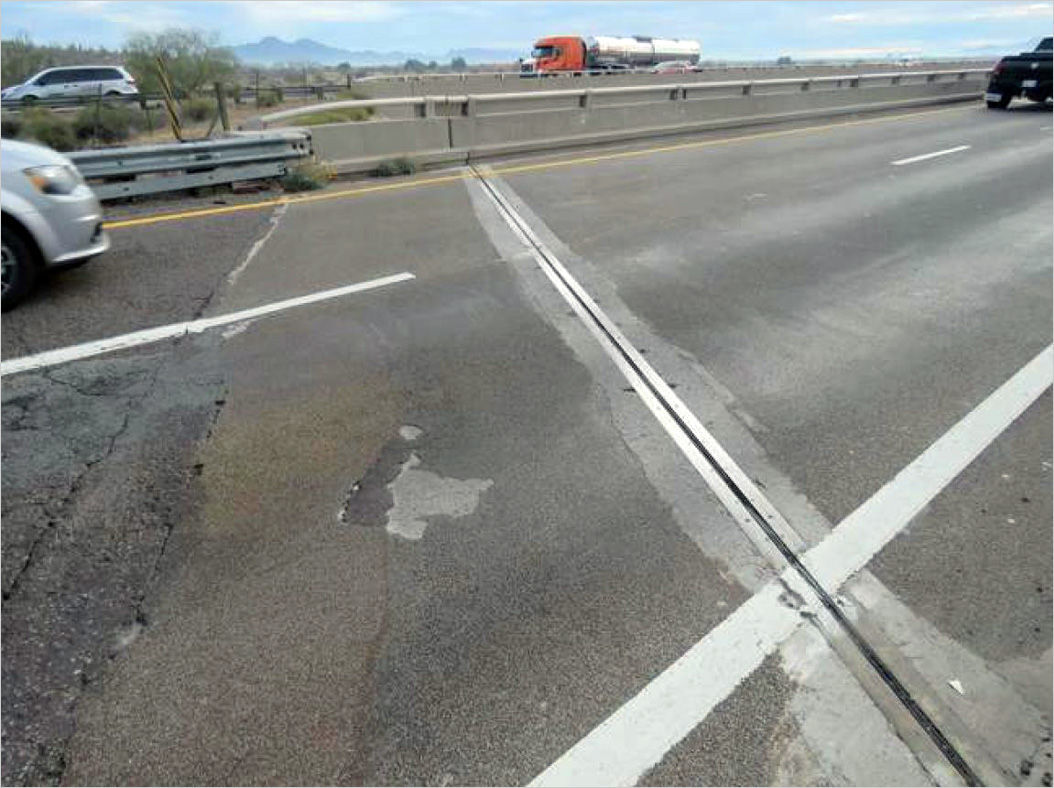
point(639, 734)
point(64, 355)
point(925, 156)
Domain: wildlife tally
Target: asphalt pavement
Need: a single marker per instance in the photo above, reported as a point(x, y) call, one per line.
point(438, 531)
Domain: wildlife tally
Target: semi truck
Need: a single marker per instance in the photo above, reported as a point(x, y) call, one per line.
point(605, 53)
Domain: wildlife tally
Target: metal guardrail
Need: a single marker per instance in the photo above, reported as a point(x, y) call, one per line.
point(151, 169)
point(426, 106)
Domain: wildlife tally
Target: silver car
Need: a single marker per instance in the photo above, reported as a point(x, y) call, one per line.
point(73, 82)
point(51, 217)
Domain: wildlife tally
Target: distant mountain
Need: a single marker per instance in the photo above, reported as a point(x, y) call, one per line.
point(271, 50)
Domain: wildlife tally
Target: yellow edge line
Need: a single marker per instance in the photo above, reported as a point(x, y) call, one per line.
point(511, 170)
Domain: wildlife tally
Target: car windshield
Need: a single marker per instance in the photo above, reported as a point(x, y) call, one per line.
point(544, 52)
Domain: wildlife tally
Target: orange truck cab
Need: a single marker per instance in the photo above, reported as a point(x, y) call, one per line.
point(557, 53)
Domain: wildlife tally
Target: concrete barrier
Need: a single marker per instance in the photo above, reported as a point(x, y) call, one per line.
point(462, 128)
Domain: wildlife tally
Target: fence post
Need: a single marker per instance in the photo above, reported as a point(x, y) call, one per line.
point(98, 111)
point(221, 104)
point(169, 99)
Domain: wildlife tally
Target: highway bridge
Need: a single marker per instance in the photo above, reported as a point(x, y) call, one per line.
point(722, 458)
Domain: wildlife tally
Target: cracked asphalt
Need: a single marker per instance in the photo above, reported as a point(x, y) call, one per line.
point(427, 534)
point(97, 470)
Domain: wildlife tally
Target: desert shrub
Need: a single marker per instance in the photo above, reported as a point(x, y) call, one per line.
point(47, 128)
point(391, 167)
point(109, 124)
point(351, 94)
point(197, 109)
point(267, 98)
point(10, 125)
point(306, 177)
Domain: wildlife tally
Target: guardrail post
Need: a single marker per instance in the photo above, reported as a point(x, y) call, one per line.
point(962, 75)
point(806, 85)
point(429, 108)
point(854, 82)
point(586, 99)
point(896, 80)
point(931, 77)
point(747, 87)
point(468, 109)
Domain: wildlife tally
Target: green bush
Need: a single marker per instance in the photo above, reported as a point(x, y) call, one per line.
point(47, 128)
point(108, 123)
point(198, 109)
point(10, 125)
point(391, 167)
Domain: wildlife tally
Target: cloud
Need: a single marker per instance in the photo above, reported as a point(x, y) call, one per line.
point(891, 17)
point(299, 13)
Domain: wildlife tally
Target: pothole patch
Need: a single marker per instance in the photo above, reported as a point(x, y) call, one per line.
point(418, 495)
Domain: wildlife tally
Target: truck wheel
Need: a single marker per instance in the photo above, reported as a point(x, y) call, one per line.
point(1003, 103)
point(19, 270)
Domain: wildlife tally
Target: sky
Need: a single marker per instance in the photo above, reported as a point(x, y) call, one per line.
point(728, 30)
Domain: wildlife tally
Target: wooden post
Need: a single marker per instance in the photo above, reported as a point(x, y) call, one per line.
point(221, 103)
point(169, 100)
point(257, 88)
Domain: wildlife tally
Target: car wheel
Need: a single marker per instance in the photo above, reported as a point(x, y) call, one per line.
point(28, 99)
point(112, 93)
point(1003, 103)
point(19, 269)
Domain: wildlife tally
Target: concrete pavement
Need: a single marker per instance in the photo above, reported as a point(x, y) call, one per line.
point(827, 316)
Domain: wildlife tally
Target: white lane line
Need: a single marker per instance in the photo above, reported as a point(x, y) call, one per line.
point(925, 156)
point(863, 533)
point(77, 352)
point(639, 734)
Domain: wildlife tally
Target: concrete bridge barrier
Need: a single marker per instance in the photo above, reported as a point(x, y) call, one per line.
point(438, 129)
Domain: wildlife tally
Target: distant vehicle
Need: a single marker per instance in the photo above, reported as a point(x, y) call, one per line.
point(72, 82)
point(51, 218)
point(605, 53)
point(674, 67)
point(1027, 75)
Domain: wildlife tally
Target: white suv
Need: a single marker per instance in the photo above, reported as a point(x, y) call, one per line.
point(72, 82)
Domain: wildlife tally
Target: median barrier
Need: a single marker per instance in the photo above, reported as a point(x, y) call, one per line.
point(461, 128)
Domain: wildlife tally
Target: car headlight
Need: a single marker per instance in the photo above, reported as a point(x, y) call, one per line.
point(54, 178)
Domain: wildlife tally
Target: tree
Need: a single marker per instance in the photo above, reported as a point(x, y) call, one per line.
point(344, 67)
point(193, 59)
point(458, 64)
point(432, 65)
point(416, 66)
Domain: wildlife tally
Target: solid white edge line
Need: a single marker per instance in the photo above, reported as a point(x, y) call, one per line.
point(924, 156)
point(638, 734)
point(88, 349)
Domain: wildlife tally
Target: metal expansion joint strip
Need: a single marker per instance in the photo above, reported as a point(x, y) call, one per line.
point(749, 499)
